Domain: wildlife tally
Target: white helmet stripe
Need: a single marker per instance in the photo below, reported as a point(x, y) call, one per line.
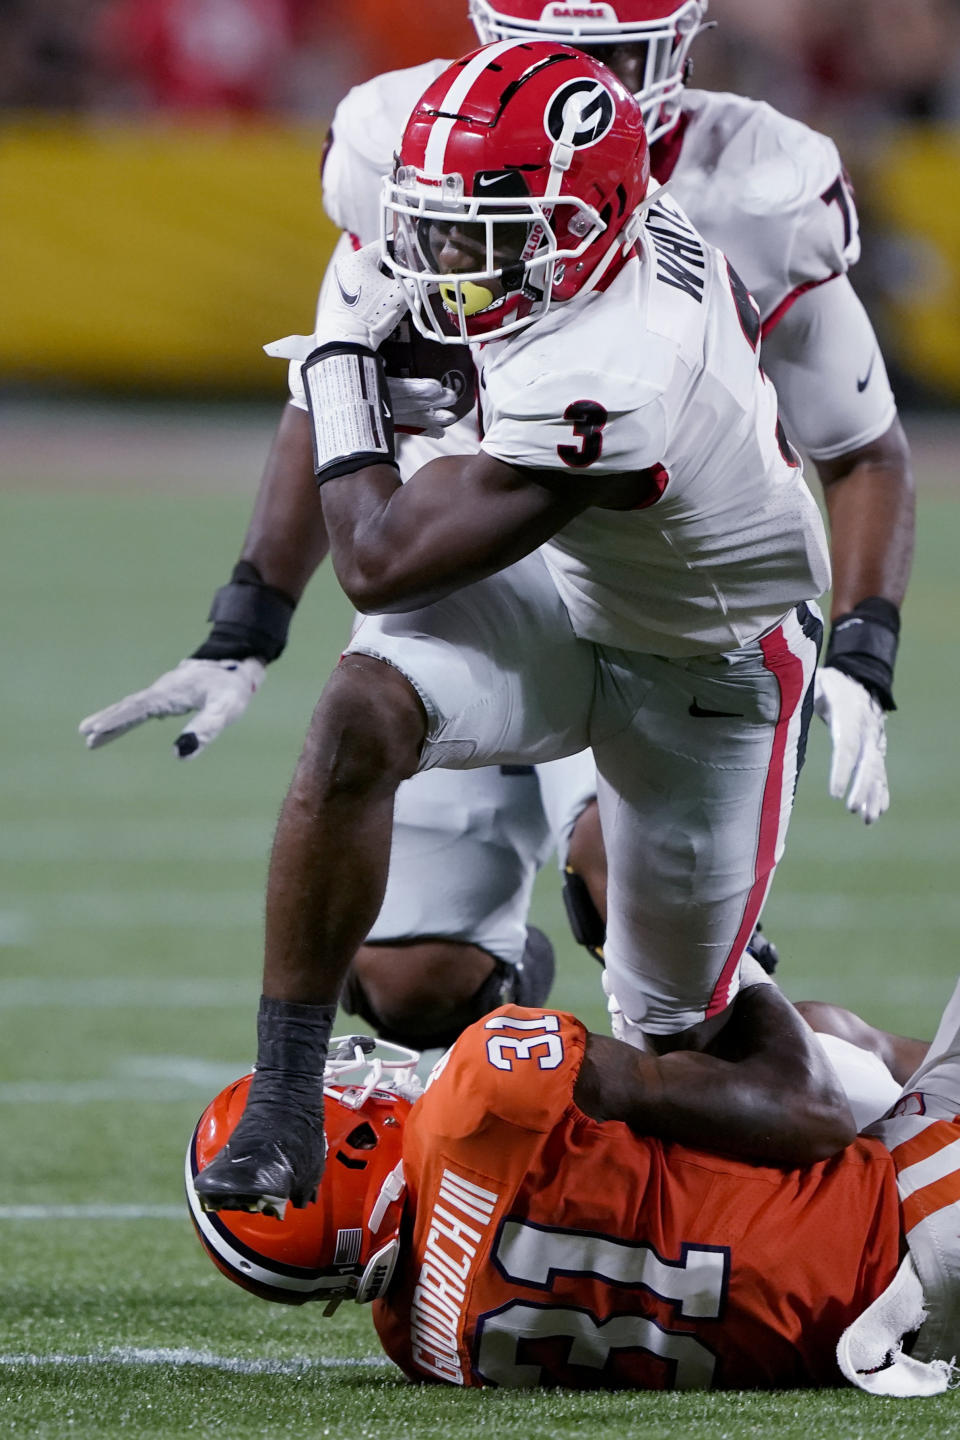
point(454, 98)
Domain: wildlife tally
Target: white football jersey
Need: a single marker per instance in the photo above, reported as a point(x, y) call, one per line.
point(766, 190)
point(660, 373)
point(368, 125)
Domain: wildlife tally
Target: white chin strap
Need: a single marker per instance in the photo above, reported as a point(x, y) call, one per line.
point(390, 1191)
point(627, 237)
point(378, 1272)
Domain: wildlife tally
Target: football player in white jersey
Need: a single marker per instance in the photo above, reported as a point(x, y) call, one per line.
point(632, 553)
point(772, 194)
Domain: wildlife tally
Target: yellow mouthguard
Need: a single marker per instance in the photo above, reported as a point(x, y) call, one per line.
point(475, 297)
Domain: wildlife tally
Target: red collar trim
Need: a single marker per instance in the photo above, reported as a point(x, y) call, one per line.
point(666, 151)
point(613, 270)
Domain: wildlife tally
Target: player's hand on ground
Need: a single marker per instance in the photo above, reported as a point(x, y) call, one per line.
point(858, 769)
point(421, 406)
point(218, 690)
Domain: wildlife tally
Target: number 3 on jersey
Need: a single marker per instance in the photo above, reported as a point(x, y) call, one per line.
point(588, 419)
point(538, 1041)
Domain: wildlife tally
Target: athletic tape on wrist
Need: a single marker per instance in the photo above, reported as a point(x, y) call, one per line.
point(250, 618)
point(349, 405)
point(863, 644)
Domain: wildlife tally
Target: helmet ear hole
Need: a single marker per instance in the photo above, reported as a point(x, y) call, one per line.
point(363, 1137)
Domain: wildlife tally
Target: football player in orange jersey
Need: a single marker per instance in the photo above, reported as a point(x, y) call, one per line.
point(548, 1212)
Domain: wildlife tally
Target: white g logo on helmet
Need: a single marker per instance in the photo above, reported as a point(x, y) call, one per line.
point(579, 113)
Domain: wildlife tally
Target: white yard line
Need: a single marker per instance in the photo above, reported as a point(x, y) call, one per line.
point(228, 841)
point(105, 992)
point(165, 908)
point(898, 913)
point(117, 840)
point(135, 1078)
point(95, 1092)
point(204, 1359)
point(94, 1212)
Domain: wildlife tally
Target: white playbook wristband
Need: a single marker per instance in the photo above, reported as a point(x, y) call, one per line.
point(349, 406)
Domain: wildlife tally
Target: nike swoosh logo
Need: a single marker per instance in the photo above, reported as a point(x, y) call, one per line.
point(485, 181)
point(345, 295)
point(700, 714)
point(862, 384)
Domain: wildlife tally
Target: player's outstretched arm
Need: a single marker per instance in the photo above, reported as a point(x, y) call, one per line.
point(825, 361)
point(766, 1093)
point(284, 544)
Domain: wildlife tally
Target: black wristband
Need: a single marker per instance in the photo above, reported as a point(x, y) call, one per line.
point(250, 618)
point(863, 644)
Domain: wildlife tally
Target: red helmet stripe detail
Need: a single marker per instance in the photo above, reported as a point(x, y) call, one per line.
point(433, 162)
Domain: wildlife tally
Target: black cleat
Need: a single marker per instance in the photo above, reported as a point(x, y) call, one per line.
point(533, 976)
point(264, 1172)
point(763, 950)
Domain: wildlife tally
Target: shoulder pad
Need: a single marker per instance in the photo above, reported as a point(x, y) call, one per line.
point(367, 129)
point(515, 1068)
point(769, 191)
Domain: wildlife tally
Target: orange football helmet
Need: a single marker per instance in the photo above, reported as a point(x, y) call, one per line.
point(344, 1244)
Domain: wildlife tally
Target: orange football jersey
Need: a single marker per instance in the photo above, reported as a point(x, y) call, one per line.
point(541, 1247)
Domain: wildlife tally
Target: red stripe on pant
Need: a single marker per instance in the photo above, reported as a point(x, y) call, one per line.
point(780, 660)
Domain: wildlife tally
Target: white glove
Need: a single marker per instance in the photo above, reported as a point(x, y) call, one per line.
point(362, 306)
point(419, 406)
point(857, 732)
point(220, 690)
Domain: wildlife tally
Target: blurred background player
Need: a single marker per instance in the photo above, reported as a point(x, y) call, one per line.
point(773, 195)
point(684, 1259)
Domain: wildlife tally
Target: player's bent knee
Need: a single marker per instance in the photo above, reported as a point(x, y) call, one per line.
point(369, 725)
point(424, 994)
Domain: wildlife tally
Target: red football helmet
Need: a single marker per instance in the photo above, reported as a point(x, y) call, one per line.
point(521, 179)
point(343, 1244)
point(667, 28)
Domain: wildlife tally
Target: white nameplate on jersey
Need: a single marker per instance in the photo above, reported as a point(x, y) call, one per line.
point(349, 408)
point(680, 258)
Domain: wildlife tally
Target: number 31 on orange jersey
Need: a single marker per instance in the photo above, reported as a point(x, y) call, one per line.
point(538, 1041)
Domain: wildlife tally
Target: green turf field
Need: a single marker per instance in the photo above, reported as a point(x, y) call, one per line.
point(130, 920)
